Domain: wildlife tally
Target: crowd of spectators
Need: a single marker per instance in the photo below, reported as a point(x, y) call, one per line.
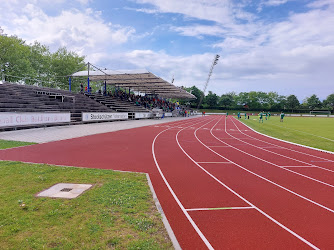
point(148, 102)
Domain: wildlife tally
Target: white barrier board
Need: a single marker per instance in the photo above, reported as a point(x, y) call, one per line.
point(104, 116)
point(143, 115)
point(168, 114)
point(8, 119)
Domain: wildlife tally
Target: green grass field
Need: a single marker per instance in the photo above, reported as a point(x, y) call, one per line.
point(11, 144)
point(117, 213)
point(310, 131)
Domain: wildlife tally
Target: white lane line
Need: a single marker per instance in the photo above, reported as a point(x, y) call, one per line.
point(263, 178)
point(242, 198)
point(217, 208)
point(206, 242)
point(268, 147)
point(271, 163)
point(289, 143)
point(225, 162)
point(219, 146)
point(298, 166)
point(322, 161)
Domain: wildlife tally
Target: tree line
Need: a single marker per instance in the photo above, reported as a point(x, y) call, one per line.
point(258, 100)
point(35, 64)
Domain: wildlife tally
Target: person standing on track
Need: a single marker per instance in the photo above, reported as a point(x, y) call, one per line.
point(226, 115)
point(282, 116)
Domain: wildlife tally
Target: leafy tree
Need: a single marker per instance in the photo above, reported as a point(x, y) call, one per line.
point(64, 63)
point(329, 102)
point(312, 102)
point(227, 100)
point(35, 63)
point(242, 99)
point(14, 59)
point(196, 92)
point(292, 102)
point(211, 99)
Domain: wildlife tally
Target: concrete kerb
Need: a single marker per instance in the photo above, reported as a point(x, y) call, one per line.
point(163, 217)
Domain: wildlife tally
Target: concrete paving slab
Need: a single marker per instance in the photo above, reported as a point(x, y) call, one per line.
point(48, 134)
point(65, 190)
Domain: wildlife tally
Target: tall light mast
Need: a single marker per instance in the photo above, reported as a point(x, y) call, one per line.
point(215, 61)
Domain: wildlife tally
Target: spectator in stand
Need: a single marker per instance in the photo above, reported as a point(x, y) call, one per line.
point(81, 87)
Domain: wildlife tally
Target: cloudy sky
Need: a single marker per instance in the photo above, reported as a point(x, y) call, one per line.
point(285, 46)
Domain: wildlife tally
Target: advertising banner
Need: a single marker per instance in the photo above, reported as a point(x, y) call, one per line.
point(12, 119)
point(143, 115)
point(104, 116)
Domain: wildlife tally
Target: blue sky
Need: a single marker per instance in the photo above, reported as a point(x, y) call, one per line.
point(286, 46)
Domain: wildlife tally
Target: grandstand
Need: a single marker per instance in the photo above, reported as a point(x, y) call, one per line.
point(116, 104)
point(28, 106)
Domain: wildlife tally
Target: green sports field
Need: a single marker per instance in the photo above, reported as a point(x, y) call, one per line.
point(310, 131)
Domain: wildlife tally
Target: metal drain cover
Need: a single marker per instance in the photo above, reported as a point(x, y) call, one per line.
point(65, 190)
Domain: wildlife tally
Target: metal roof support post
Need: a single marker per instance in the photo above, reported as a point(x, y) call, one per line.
point(69, 83)
point(88, 80)
point(105, 87)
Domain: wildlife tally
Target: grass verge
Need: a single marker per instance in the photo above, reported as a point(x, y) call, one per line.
point(12, 144)
point(310, 131)
point(118, 212)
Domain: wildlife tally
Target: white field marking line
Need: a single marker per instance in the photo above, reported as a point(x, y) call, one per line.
point(206, 242)
point(263, 178)
point(329, 170)
point(306, 133)
point(219, 146)
point(217, 208)
point(225, 162)
point(321, 161)
point(238, 195)
point(293, 143)
point(298, 166)
point(289, 170)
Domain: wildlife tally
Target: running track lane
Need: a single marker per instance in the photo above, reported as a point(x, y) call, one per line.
point(307, 219)
point(131, 150)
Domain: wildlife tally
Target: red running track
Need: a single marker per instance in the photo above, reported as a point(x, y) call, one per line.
point(220, 184)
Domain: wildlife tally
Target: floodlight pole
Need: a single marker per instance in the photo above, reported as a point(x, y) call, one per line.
point(215, 61)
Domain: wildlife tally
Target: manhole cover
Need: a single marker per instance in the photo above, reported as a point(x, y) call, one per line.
point(65, 190)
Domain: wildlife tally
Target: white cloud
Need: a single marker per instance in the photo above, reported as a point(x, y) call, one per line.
point(213, 10)
point(200, 30)
point(144, 10)
point(271, 3)
point(81, 31)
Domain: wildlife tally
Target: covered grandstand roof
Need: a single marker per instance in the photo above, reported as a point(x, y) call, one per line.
point(137, 80)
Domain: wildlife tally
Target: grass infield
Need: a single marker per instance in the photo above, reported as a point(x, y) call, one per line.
point(118, 212)
point(310, 131)
point(12, 144)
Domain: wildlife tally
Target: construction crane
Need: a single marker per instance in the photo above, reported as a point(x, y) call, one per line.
point(215, 61)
